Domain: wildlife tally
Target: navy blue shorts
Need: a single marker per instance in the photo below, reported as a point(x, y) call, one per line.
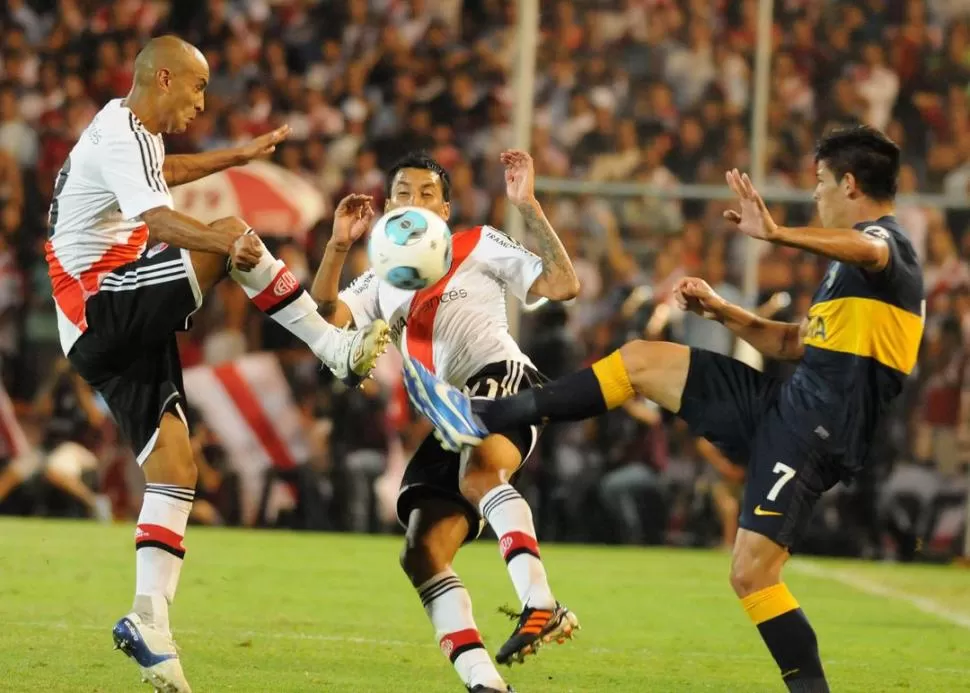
point(737, 409)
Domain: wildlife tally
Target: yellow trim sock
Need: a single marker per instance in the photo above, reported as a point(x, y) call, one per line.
point(769, 603)
point(614, 380)
point(789, 637)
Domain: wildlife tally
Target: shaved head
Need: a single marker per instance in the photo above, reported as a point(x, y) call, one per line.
point(171, 76)
point(167, 53)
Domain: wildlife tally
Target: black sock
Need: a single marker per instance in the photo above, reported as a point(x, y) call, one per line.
point(577, 396)
point(791, 640)
point(789, 637)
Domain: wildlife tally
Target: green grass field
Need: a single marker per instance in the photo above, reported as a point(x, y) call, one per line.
point(268, 611)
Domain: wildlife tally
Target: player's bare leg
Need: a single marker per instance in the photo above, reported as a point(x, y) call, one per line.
point(655, 370)
point(436, 530)
point(756, 566)
point(485, 474)
point(144, 634)
point(275, 291)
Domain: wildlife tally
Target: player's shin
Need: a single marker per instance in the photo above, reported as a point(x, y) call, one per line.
point(582, 395)
point(159, 551)
point(449, 607)
point(276, 292)
point(511, 517)
point(789, 637)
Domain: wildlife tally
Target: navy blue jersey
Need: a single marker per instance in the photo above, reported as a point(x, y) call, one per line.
point(863, 336)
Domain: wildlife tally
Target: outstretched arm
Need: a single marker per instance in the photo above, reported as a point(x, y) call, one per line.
point(845, 245)
point(185, 168)
point(558, 280)
point(776, 340)
point(868, 250)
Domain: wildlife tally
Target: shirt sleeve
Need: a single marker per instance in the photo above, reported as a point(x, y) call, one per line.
point(510, 261)
point(132, 167)
point(361, 298)
point(902, 255)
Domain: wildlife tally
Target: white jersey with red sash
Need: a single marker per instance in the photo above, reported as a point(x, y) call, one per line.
point(459, 325)
point(111, 177)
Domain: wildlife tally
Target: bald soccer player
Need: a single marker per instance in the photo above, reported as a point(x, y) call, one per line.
point(119, 307)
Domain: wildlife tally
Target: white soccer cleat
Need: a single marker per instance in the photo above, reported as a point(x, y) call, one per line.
point(154, 651)
point(356, 352)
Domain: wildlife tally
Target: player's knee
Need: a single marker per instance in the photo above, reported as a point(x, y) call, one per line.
point(639, 358)
point(657, 370)
point(751, 573)
point(234, 224)
point(742, 579)
point(172, 460)
point(489, 465)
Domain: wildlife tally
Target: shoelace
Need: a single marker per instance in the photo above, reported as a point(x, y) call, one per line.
point(510, 612)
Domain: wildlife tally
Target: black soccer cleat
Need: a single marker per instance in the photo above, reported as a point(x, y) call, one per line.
point(535, 627)
point(481, 688)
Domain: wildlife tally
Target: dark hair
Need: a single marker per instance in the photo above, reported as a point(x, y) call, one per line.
point(424, 161)
point(870, 156)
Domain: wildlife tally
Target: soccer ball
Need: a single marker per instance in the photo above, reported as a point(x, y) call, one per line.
point(410, 248)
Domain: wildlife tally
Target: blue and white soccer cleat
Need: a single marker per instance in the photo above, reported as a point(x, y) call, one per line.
point(448, 408)
point(154, 652)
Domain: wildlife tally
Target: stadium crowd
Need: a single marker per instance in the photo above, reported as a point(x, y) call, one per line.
point(654, 91)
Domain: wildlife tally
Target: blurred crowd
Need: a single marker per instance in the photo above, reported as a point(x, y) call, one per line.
point(653, 91)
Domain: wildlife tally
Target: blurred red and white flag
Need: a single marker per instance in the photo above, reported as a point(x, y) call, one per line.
point(249, 405)
point(273, 200)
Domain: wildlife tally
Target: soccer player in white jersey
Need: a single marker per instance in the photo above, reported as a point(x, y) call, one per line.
point(119, 307)
point(458, 328)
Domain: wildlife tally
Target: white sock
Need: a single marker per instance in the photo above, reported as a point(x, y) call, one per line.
point(275, 291)
point(511, 518)
point(158, 549)
point(449, 607)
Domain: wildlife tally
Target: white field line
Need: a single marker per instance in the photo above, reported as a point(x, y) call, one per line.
point(878, 589)
point(379, 642)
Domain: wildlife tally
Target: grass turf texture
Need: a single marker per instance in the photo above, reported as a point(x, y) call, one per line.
point(271, 612)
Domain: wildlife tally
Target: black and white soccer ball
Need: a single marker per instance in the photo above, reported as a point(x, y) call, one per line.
point(410, 248)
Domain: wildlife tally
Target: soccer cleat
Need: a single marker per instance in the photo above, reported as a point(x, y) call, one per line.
point(154, 651)
point(357, 352)
point(448, 408)
point(535, 627)
point(481, 688)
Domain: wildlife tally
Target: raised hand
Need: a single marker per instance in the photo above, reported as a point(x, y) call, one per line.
point(351, 220)
point(264, 145)
point(754, 219)
point(520, 177)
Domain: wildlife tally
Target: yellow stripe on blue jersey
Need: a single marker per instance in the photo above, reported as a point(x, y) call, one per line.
point(866, 327)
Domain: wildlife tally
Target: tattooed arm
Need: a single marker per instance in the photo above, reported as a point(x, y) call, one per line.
point(558, 281)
